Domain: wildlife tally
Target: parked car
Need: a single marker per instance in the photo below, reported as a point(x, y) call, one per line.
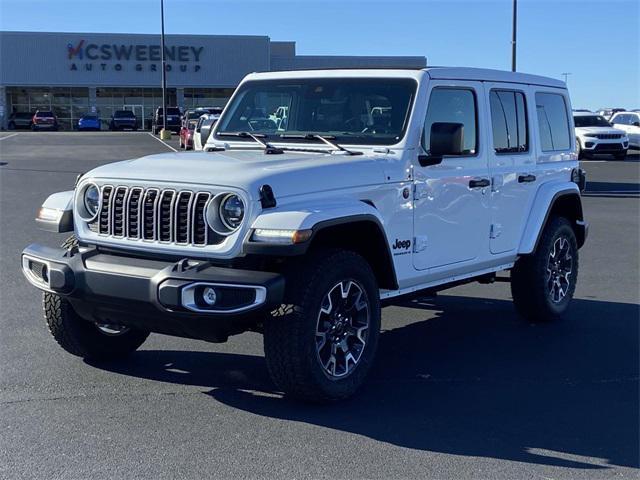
point(44, 120)
point(203, 130)
point(173, 120)
point(629, 122)
point(20, 120)
point(582, 110)
point(186, 134)
point(303, 234)
point(595, 135)
point(123, 119)
point(89, 122)
point(607, 113)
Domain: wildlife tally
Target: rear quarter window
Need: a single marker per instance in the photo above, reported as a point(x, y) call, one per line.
point(553, 122)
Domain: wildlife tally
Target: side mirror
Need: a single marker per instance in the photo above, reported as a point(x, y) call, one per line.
point(636, 124)
point(446, 138)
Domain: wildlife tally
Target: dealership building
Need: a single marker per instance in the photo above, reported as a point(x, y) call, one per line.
point(78, 73)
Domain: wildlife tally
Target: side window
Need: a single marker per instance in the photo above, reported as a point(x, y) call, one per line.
point(453, 105)
point(509, 121)
point(553, 122)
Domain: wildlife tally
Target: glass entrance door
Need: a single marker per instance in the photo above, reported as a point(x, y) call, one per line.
point(138, 111)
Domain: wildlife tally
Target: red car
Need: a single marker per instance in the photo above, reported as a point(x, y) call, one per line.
point(186, 134)
point(44, 119)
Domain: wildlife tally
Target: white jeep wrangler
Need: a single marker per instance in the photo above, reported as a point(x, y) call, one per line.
point(379, 184)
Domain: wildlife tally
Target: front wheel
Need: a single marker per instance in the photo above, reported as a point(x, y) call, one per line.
point(320, 346)
point(83, 338)
point(543, 283)
point(621, 155)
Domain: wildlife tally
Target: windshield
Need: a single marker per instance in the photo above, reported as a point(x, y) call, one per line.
point(89, 117)
point(361, 111)
point(44, 114)
point(590, 121)
point(123, 114)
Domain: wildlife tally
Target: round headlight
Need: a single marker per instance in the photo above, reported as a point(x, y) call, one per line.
point(232, 211)
point(92, 200)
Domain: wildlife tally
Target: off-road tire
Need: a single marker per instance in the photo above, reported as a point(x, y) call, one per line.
point(81, 337)
point(290, 331)
point(529, 276)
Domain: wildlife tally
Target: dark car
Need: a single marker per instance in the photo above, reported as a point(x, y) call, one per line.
point(173, 120)
point(20, 120)
point(122, 119)
point(44, 120)
point(89, 122)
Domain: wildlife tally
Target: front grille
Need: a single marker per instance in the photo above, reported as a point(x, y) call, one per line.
point(609, 136)
point(163, 215)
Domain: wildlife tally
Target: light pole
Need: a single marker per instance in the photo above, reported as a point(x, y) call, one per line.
point(513, 35)
point(163, 133)
point(566, 76)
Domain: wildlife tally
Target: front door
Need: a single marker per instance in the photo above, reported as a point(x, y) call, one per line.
point(138, 111)
point(451, 200)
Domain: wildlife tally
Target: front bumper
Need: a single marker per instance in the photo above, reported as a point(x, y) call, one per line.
point(595, 145)
point(155, 295)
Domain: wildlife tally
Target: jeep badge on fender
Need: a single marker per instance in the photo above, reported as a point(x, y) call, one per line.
point(283, 225)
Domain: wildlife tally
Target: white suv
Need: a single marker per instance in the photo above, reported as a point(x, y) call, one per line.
point(629, 122)
point(381, 184)
point(595, 135)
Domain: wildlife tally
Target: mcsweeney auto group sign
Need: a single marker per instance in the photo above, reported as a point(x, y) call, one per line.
point(137, 57)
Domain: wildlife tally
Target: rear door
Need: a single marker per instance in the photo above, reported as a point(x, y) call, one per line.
point(512, 163)
point(451, 207)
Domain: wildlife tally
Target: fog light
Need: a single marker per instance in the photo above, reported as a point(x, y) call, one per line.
point(209, 296)
point(588, 144)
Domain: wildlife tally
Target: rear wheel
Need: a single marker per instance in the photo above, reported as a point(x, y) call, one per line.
point(83, 338)
point(543, 283)
point(320, 346)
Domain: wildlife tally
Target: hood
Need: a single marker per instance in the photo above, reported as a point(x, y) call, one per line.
point(290, 173)
point(600, 130)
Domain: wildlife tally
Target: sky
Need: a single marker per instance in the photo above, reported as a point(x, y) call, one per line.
point(596, 41)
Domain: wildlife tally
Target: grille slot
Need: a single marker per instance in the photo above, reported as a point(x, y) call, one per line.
point(133, 212)
point(104, 223)
point(200, 229)
point(609, 136)
point(165, 216)
point(152, 214)
point(117, 211)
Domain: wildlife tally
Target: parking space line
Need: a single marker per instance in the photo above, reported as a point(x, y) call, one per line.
point(161, 141)
point(9, 136)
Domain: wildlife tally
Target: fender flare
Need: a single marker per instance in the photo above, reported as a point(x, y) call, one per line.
point(317, 217)
point(543, 204)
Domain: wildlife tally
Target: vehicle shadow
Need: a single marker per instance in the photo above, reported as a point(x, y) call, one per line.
point(473, 379)
point(612, 189)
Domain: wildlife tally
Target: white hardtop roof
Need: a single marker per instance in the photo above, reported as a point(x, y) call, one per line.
point(586, 114)
point(441, 73)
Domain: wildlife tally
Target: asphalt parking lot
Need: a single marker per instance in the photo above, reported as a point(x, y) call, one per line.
point(463, 388)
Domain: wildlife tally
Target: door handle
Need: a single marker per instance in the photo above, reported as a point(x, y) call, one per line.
point(479, 183)
point(526, 178)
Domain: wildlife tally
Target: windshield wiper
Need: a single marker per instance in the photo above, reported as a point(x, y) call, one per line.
point(268, 148)
point(323, 138)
